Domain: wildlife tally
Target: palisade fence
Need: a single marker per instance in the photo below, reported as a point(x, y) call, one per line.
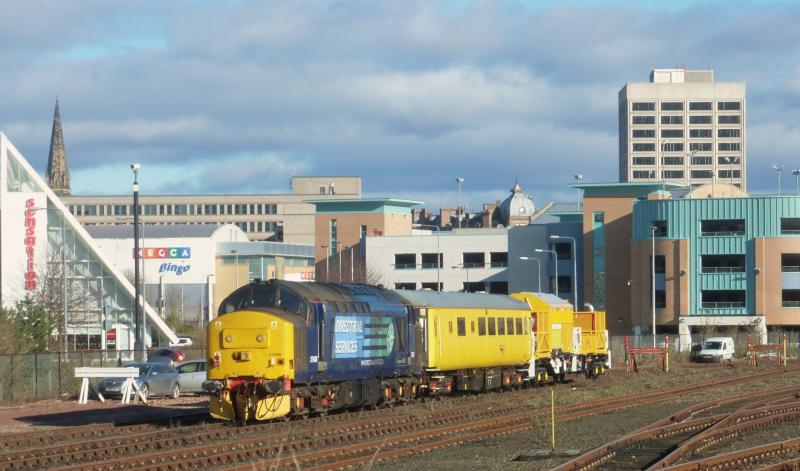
point(28, 377)
point(35, 376)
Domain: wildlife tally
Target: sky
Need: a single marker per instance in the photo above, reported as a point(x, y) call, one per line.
point(228, 97)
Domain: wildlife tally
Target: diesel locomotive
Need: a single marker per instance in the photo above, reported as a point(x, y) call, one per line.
point(281, 348)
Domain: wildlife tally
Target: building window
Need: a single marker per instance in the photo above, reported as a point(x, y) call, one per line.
point(729, 119)
point(644, 174)
point(672, 106)
point(671, 160)
point(644, 133)
point(240, 209)
point(498, 287)
point(332, 236)
point(474, 287)
point(498, 259)
point(228, 209)
point(473, 260)
point(150, 210)
point(563, 250)
point(672, 147)
point(722, 263)
point(729, 133)
point(790, 298)
point(429, 260)
point(729, 160)
point(644, 147)
point(729, 106)
point(644, 106)
point(790, 225)
point(405, 261)
point(729, 146)
point(272, 209)
point(431, 286)
point(644, 161)
point(699, 133)
point(730, 174)
point(409, 286)
point(322, 190)
point(181, 210)
point(671, 133)
point(672, 120)
point(120, 210)
point(661, 228)
point(672, 174)
point(644, 120)
point(90, 210)
point(722, 227)
point(700, 119)
point(210, 209)
point(700, 106)
point(701, 160)
point(721, 299)
point(702, 173)
point(700, 146)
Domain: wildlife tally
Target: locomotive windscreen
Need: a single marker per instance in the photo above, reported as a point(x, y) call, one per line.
point(262, 296)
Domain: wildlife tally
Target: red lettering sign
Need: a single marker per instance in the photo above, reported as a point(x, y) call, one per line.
point(30, 244)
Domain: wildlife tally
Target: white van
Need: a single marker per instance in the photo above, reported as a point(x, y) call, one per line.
point(716, 349)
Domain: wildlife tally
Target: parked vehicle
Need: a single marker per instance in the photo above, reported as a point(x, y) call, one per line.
point(182, 342)
point(170, 355)
point(155, 379)
point(192, 375)
point(716, 349)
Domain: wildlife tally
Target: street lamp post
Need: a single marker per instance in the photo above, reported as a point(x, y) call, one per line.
point(438, 254)
point(796, 173)
point(139, 337)
point(578, 178)
point(459, 181)
point(574, 267)
point(730, 161)
point(555, 263)
point(778, 169)
point(538, 270)
point(653, 281)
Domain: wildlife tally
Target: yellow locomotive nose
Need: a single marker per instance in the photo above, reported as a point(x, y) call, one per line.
point(250, 344)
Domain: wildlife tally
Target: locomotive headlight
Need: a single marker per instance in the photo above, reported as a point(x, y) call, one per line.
point(259, 338)
point(229, 338)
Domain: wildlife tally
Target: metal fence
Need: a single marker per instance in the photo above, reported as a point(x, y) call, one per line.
point(35, 376)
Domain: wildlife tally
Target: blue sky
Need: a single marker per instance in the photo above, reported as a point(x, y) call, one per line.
point(237, 96)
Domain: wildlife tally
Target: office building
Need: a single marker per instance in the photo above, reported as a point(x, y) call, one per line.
point(683, 127)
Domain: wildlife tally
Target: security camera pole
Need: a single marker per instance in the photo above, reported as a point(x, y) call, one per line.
point(139, 337)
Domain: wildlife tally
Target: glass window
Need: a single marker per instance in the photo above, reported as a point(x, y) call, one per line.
point(730, 174)
point(700, 146)
point(644, 120)
point(518, 323)
point(672, 174)
point(150, 210)
point(729, 146)
point(672, 160)
point(510, 325)
point(729, 133)
point(481, 326)
point(210, 209)
point(702, 173)
point(701, 160)
point(644, 161)
point(672, 133)
point(240, 209)
point(492, 327)
point(461, 326)
point(729, 160)
point(181, 210)
point(722, 227)
point(729, 106)
point(643, 133)
point(700, 106)
point(644, 106)
point(672, 106)
point(647, 174)
point(669, 119)
point(501, 326)
point(699, 119)
point(120, 210)
point(729, 119)
point(699, 133)
point(644, 147)
point(672, 147)
point(661, 228)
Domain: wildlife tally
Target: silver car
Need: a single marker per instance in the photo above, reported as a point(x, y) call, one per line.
point(155, 379)
point(192, 375)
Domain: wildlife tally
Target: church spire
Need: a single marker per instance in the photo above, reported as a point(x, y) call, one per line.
point(57, 174)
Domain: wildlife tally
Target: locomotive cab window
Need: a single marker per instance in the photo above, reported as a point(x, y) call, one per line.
point(501, 326)
point(482, 326)
point(492, 330)
point(291, 302)
point(510, 325)
point(263, 296)
point(237, 300)
point(462, 326)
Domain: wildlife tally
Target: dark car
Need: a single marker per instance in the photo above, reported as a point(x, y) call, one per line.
point(155, 379)
point(171, 355)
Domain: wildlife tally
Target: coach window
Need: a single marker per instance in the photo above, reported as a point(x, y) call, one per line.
point(462, 326)
point(518, 322)
point(450, 326)
point(501, 326)
point(510, 325)
point(492, 330)
point(472, 326)
point(342, 307)
point(482, 326)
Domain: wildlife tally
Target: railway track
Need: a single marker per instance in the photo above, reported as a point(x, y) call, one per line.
point(322, 442)
point(666, 442)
